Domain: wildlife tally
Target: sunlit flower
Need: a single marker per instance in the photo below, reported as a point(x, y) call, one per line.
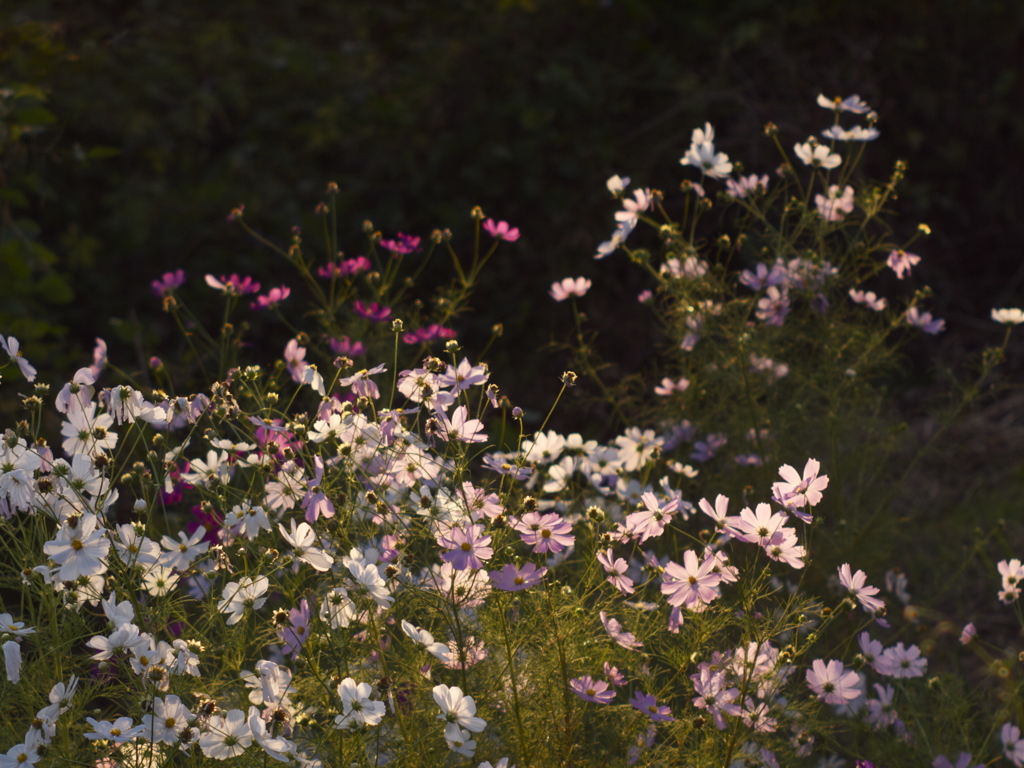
point(1009, 316)
point(832, 682)
point(589, 689)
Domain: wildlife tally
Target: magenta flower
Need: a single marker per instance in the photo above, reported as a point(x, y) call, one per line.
point(168, 282)
point(345, 268)
point(501, 230)
point(649, 706)
point(402, 244)
point(274, 297)
point(468, 546)
point(589, 689)
point(546, 532)
point(345, 346)
point(513, 579)
point(293, 637)
point(372, 311)
point(428, 333)
point(234, 285)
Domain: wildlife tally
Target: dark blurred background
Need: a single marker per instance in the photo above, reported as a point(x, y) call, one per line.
point(130, 130)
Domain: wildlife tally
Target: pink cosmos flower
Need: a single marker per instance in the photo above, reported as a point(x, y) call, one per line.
point(234, 285)
point(855, 584)
point(513, 579)
point(832, 683)
point(617, 570)
point(273, 298)
point(546, 532)
point(868, 298)
point(616, 632)
point(798, 492)
point(562, 290)
point(501, 230)
point(468, 546)
point(163, 285)
point(901, 262)
point(648, 704)
point(693, 584)
point(834, 205)
point(650, 519)
point(589, 689)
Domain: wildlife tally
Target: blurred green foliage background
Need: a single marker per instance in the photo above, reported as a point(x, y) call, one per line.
point(130, 130)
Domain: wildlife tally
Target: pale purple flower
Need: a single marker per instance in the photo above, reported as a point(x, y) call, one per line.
point(294, 636)
point(966, 760)
point(834, 205)
point(545, 532)
point(901, 662)
point(773, 307)
point(868, 298)
point(855, 584)
point(796, 491)
point(856, 133)
point(746, 185)
point(616, 632)
point(513, 579)
point(853, 104)
point(589, 689)
point(925, 321)
point(901, 262)
point(832, 683)
point(648, 704)
point(468, 546)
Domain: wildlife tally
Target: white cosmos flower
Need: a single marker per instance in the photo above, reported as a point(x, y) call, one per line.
point(357, 708)
point(302, 538)
point(226, 735)
point(1008, 316)
point(80, 550)
point(457, 708)
point(817, 155)
point(12, 660)
point(238, 595)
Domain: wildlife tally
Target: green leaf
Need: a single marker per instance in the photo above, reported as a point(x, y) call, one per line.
point(35, 116)
point(14, 196)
